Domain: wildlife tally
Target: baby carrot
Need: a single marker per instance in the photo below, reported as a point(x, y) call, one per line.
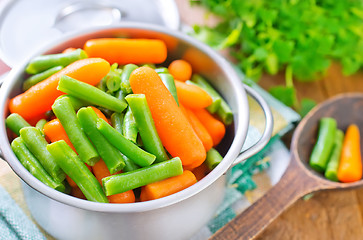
point(100, 171)
point(54, 131)
point(124, 51)
point(192, 96)
point(43, 94)
point(99, 113)
point(198, 128)
point(350, 166)
point(168, 186)
point(175, 132)
point(215, 127)
point(201, 171)
point(180, 69)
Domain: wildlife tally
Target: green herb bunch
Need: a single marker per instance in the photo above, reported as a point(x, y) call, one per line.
point(301, 37)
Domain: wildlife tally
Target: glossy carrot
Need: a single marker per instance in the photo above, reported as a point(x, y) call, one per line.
point(215, 128)
point(198, 128)
point(125, 51)
point(192, 96)
point(350, 166)
point(180, 69)
point(100, 171)
point(174, 129)
point(39, 98)
point(168, 186)
point(54, 131)
point(201, 171)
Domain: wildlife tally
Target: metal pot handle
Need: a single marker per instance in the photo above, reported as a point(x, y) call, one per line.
point(261, 143)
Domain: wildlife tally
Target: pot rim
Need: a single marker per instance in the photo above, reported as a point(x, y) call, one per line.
point(241, 121)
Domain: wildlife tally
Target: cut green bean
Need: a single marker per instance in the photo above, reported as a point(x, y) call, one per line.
point(129, 126)
point(113, 78)
point(40, 125)
point(110, 155)
point(72, 165)
point(102, 85)
point(161, 70)
point(129, 164)
point(31, 81)
point(27, 159)
point(117, 121)
point(213, 158)
point(216, 97)
point(15, 122)
point(150, 65)
point(90, 94)
point(225, 113)
point(76, 102)
point(126, 181)
point(44, 62)
point(120, 95)
point(126, 147)
point(146, 126)
point(331, 171)
point(64, 111)
point(169, 83)
point(324, 144)
point(37, 145)
point(126, 72)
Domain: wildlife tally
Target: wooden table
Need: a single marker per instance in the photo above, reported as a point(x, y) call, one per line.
point(327, 215)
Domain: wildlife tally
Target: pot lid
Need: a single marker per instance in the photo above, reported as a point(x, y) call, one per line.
point(26, 25)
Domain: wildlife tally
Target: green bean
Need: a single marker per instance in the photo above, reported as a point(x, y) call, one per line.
point(146, 126)
point(102, 85)
point(120, 95)
point(161, 70)
point(331, 171)
point(169, 83)
point(323, 146)
point(40, 125)
point(44, 62)
point(27, 159)
point(31, 81)
point(64, 111)
point(116, 121)
point(37, 145)
point(126, 181)
point(76, 102)
point(110, 155)
point(213, 158)
point(202, 83)
point(113, 78)
point(129, 164)
point(15, 122)
point(90, 94)
point(129, 126)
point(72, 165)
point(126, 147)
point(150, 65)
point(126, 72)
point(225, 113)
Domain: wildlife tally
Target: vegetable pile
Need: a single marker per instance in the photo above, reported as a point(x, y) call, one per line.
point(117, 134)
point(336, 155)
point(300, 37)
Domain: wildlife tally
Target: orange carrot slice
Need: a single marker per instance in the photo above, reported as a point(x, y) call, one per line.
point(174, 129)
point(39, 98)
point(124, 51)
point(181, 70)
point(350, 166)
point(215, 128)
point(192, 96)
point(168, 186)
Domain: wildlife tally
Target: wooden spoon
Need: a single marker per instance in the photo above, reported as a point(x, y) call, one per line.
point(299, 179)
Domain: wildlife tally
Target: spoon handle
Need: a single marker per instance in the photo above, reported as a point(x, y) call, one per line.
point(294, 184)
